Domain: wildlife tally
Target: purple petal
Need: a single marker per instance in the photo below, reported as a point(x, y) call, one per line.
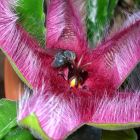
point(114, 60)
point(60, 115)
point(56, 114)
point(32, 63)
point(64, 27)
point(120, 111)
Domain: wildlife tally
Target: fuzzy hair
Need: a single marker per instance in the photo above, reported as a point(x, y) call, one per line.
point(69, 112)
point(20, 47)
point(130, 20)
point(65, 27)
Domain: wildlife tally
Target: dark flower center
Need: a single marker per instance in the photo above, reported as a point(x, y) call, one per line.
point(76, 74)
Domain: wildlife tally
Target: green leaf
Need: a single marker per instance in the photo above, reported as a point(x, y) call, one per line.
point(33, 124)
point(31, 17)
point(18, 133)
point(138, 3)
point(7, 116)
point(99, 15)
point(119, 135)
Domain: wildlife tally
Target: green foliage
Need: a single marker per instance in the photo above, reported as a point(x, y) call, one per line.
point(138, 3)
point(18, 133)
point(99, 15)
point(8, 123)
point(31, 122)
point(7, 116)
point(119, 135)
point(31, 17)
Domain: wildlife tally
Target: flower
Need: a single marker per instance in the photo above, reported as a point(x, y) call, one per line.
point(85, 89)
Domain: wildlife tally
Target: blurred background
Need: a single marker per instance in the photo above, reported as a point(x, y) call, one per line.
point(1, 74)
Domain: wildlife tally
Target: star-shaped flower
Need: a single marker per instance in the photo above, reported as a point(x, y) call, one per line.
point(72, 84)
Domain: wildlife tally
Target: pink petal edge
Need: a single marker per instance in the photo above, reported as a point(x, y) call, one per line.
point(60, 115)
point(65, 30)
point(115, 59)
point(32, 61)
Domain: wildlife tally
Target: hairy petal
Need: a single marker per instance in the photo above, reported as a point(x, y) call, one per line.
point(81, 7)
point(120, 111)
point(65, 29)
point(117, 57)
point(23, 51)
point(57, 115)
point(60, 115)
point(133, 80)
point(130, 19)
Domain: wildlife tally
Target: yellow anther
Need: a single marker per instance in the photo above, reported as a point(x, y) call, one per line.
point(73, 82)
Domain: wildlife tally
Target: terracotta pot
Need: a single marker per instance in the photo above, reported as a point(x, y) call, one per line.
point(12, 83)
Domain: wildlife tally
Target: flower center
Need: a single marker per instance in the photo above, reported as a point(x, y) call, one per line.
point(76, 74)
